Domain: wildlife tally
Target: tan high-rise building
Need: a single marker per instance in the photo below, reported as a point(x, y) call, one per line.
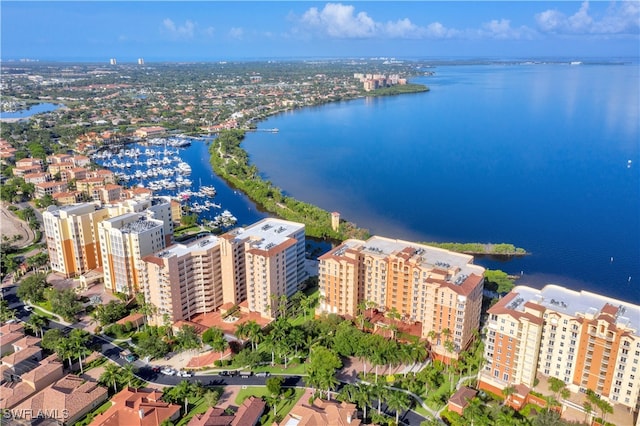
point(124, 241)
point(72, 237)
point(155, 207)
point(262, 262)
point(439, 289)
point(183, 280)
point(587, 340)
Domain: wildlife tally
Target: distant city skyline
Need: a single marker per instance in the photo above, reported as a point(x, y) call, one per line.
point(212, 31)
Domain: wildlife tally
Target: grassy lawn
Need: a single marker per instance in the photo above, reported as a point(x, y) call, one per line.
point(294, 369)
point(43, 313)
point(283, 407)
point(45, 305)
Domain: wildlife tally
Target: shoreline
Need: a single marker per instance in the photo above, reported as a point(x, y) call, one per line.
point(269, 199)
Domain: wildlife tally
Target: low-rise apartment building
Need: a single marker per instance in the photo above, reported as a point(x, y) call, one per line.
point(587, 340)
point(439, 289)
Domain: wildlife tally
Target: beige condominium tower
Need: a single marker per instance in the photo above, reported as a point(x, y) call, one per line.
point(253, 266)
point(183, 280)
point(262, 262)
point(439, 289)
point(124, 241)
point(72, 237)
point(586, 340)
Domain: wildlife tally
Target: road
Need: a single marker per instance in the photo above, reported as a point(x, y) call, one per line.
point(145, 372)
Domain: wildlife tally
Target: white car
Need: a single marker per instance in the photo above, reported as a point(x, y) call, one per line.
point(185, 374)
point(168, 371)
point(28, 308)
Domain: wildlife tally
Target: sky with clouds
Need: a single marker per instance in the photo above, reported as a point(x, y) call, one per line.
point(216, 30)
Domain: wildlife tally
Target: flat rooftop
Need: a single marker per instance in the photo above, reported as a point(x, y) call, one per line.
point(563, 300)
point(71, 209)
point(428, 256)
point(268, 233)
point(179, 250)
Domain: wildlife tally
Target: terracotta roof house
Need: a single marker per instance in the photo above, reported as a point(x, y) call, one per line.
point(26, 355)
point(69, 399)
point(48, 371)
point(322, 413)
point(9, 334)
point(459, 400)
point(137, 407)
point(248, 414)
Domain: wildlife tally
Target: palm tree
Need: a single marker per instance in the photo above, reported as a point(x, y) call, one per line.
point(127, 374)
point(296, 339)
point(363, 397)
point(254, 333)
point(588, 408)
point(397, 401)
point(507, 392)
point(273, 401)
point(379, 392)
point(79, 340)
point(36, 323)
point(111, 375)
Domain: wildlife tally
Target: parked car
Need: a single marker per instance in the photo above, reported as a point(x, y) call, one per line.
point(263, 374)
point(168, 371)
point(156, 369)
point(184, 374)
point(246, 374)
point(223, 373)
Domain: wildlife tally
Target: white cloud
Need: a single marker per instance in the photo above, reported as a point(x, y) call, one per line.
point(185, 31)
point(236, 32)
point(502, 30)
point(619, 18)
point(337, 20)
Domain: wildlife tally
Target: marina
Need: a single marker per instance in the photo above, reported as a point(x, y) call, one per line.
point(158, 165)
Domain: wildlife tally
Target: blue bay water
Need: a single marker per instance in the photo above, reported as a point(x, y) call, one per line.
point(32, 110)
point(534, 155)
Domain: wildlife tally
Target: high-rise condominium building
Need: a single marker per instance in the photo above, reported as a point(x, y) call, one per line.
point(72, 237)
point(439, 289)
point(72, 231)
point(253, 266)
point(262, 262)
point(124, 241)
point(587, 340)
point(183, 280)
point(159, 208)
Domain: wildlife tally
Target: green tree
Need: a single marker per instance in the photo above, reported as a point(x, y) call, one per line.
point(79, 340)
point(214, 337)
point(322, 366)
point(211, 398)
point(36, 323)
point(111, 376)
point(398, 401)
point(64, 303)
point(109, 313)
point(187, 338)
point(274, 385)
point(5, 313)
point(51, 338)
point(507, 392)
point(32, 288)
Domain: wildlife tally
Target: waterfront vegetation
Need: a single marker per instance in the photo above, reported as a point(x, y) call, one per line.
point(399, 89)
point(231, 162)
point(502, 249)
